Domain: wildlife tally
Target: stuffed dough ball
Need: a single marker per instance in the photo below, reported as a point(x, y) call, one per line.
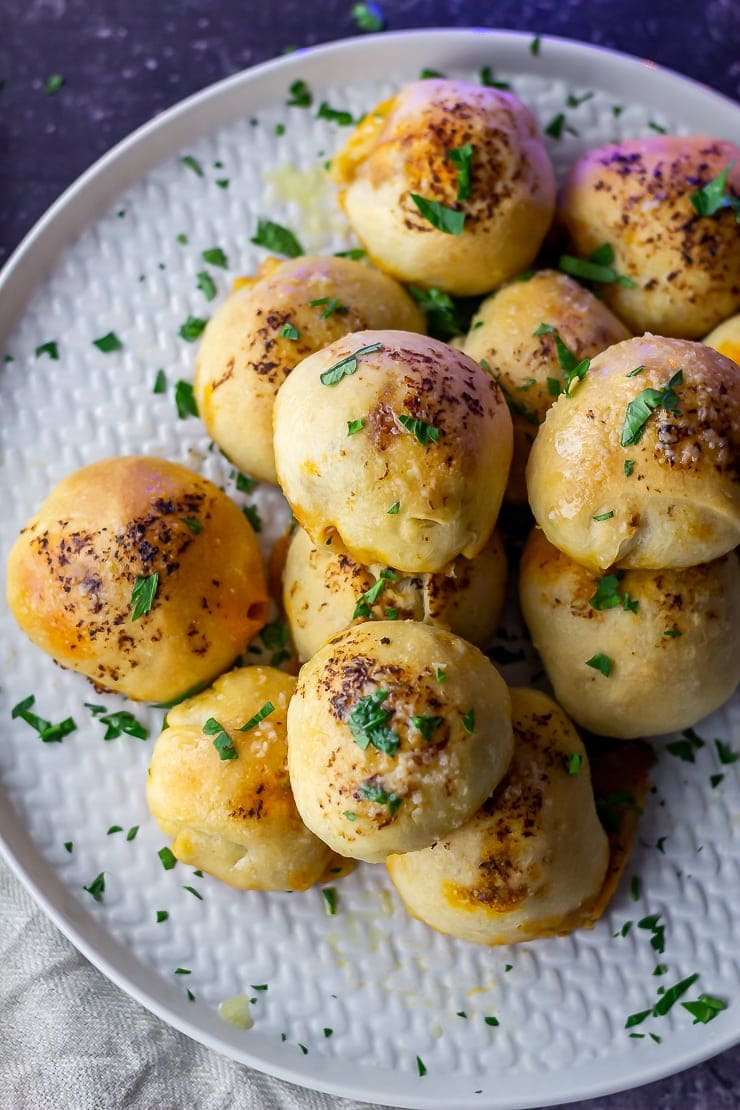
point(448, 184)
point(638, 467)
point(141, 575)
point(533, 860)
point(396, 443)
point(533, 335)
point(725, 338)
point(636, 653)
point(397, 733)
point(679, 268)
point(266, 326)
point(325, 590)
point(218, 785)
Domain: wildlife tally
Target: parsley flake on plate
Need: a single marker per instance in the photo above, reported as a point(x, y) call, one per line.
point(53, 84)
point(167, 857)
point(193, 164)
point(251, 512)
point(300, 95)
point(143, 594)
point(160, 382)
point(192, 329)
point(330, 901)
point(107, 343)
point(48, 732)
point(185, 400)
point(97, 887)
point(368, 17)
point(207, 285)
point(725, 753)
point(420, 1066)
point(705, 1009)
point(486, 78)
point(336, 115)
point(162, 915)
point(215, 256)
point(368, 724)
point(51, 349)
point(275, 237)
point(444, 219)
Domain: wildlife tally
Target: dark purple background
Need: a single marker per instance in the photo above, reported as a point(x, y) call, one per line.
point(123, 62)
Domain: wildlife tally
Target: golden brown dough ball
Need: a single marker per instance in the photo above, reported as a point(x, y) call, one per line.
point(532, 861)
point(725, 338)
point(639, 467)
point(397, 733)
point(529, 366)
point(222, 792)
point(267, 326)
point(498, 184)
point(141, 575)
point(325, 589)
point(397, 443)
point(635, 195)
point(633, 654)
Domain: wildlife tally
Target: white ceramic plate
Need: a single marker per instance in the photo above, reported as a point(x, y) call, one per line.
point(388, 987)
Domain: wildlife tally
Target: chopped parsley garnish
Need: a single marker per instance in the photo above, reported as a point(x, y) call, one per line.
point(195, 527)
point(391, 614)
point(555, 127)
point(715, 780)
point(420, 1066)
point(617, 110)
point(185, 400)
point(660, 844)
point(279, 129)
point(444, 219)
point(288, 331)
point(656, 127)
point(191, 996)
point(602, 663)
point(629, 466)
point(485, 76)
point(368, 599)
point(143, 594)
point(222, 182)
point(534, 46)
point(214, 256)
point(633, 373)
point(206, 285)
point(274, 237)
point(192, 329)
point(300, 95)
point(349, 815)
point(251, 512)
point(275, 636)
point(355, 426)
point(167, 858)
point(48, 732)
point(182, 971)
point(705, 1009)
point(193, 164)
point(221, 739)
point(440, 675)
point(260, 715)
point(492, 1021)
point(107, 343)
point(162, 915)
point(393, 511)
point(194, 892)
point(430, 74)
point(607, 595)
point(604, 516)
point(114, 829)
point(725, 753)
point(660, 969)
point(673, 633)
point(712, 197)
point(160, 382)
point(597, 267)
point(424, 432)
point(51, 349)
point(637, 1019)
point(97, 887)
point(512, 405)
point(331, 305)
point(328, 1032)
point(244, 483)
point(574, 764)
point(574, 101)
point(573, 368)
point(426, 725)
point(68, 845)
point(669, 997)
point(368, 17)
point(53, 84)
point(644, 405)
point(336, 115)
point(303, 1048)
point(635, 886)
point(347, 366)
point(368, 723)
point(355, 254)
point(182, 239)
point(687, 747)
point(461, 158)
point(330, 901)
point(131, 834)
point(118, 723)
point(445, 316)
point(468, 721)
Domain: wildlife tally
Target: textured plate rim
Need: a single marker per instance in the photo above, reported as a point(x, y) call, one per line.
point(218, 105)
